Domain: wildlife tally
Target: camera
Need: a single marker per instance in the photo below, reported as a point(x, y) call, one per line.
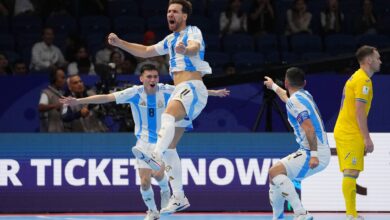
point(117, 117)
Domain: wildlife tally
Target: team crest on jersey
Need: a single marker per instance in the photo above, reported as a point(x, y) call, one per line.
point(160, 104)
point(365, 90)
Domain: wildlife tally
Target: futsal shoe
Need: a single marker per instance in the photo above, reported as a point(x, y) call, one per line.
point(306, 216)
point(152, 215)
point(175, 205)
point(151, 159)
point(359, 217)
point(165, 195)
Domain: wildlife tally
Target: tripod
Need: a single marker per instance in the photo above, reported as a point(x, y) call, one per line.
point(268, 103)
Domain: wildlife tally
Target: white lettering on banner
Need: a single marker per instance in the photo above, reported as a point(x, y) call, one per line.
point(253, 170)
point(198, 175)
point(8, 170)
point(91, 171)
point(120, 170)
point(69, 168)
point(41, 174)
point(97, 172)
point(229, 171)
point(57, 172)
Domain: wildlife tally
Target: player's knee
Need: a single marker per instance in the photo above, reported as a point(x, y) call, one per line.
point(276, 170)
point(176, 109)
point(350, 172)
point(145, 183)
point(159, 174)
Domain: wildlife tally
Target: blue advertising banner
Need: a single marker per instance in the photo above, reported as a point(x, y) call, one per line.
point(95, 172)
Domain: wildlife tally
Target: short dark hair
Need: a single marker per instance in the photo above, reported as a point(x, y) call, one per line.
point(148, 67)
point(363, 52)
point(186, 5)
point(295, 76)
point(53, 74)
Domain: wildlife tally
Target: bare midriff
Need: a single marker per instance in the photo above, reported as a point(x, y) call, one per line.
point(182, 76)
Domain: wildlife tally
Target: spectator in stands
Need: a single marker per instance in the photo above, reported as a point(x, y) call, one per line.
point(72, 44)
point(20, 68)
point(22, 7)
point(366, 23)
point(82, 63)
point(49, 107)
point(298, 18)
point(45, 55)
point(103, 55)
point(233, 19)
point(332, 18)
point(129, 64)
point(81, 118)
point(4, 65)
point(261, 17)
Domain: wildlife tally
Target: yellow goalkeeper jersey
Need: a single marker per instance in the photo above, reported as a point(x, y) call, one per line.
point(357, 88)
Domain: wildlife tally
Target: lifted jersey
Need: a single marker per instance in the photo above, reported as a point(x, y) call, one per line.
point(180, 62)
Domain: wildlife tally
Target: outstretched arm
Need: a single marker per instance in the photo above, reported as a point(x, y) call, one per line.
point(219, 92)
point(138, 50)
point(95, 99)
point(269, 83)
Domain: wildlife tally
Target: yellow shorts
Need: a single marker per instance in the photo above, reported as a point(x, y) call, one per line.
point(350, 153)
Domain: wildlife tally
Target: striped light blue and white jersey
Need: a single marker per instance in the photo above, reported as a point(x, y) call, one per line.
point(301, 106)
point(146, 109)
point(180, 62)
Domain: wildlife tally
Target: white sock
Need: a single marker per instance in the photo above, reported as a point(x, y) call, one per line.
point(165, 134)
point(148, 197)
point(287, 189)
point(277, 202)
point(173, 168)
point(163, 183)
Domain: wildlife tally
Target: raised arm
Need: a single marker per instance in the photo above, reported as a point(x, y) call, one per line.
point(138, 50)
point(95, 99)
point(269, 83)
point(361, 118)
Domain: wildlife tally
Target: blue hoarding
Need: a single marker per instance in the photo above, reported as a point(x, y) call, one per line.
point(95, 172)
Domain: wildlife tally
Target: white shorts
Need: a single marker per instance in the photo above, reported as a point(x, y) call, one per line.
point(297, 164)
point(193, 95)
point(148, 147)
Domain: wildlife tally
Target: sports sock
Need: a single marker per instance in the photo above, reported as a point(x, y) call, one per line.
point(349, 191)
point(277, 202)
point(173, 168)
point(288, 191)
point(163, 183)
point(165, 134)
point(148, 197)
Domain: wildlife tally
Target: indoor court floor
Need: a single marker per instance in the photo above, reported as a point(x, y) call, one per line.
point(187, 216)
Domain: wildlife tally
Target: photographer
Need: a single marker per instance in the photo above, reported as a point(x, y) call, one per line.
point(49, 106)
point(81, 118)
